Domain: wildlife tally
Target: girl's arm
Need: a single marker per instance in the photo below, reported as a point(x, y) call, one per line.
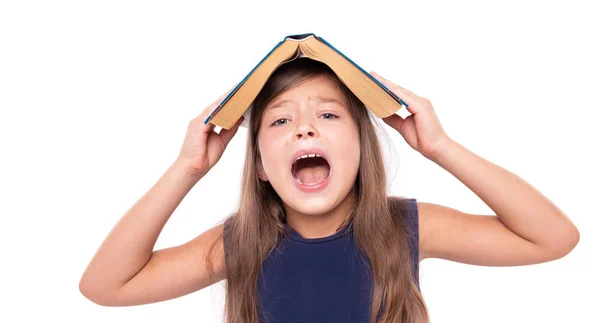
point(126, 271)
point(528, 227)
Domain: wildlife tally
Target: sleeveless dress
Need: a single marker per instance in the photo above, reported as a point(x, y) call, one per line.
point(322, 279)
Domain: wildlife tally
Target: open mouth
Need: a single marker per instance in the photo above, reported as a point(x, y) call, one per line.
point(310, 169)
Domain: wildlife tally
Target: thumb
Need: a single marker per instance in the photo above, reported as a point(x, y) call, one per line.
point(227, 134)
point(395, 121)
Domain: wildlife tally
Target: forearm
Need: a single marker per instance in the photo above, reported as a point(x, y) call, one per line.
point(129, 245)
point(520, 207)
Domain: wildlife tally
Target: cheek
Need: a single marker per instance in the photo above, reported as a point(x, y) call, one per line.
point(271, 156)
point(348, 150)
point(354, 155)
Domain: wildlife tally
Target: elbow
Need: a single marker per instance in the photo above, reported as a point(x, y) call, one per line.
point(91, 293)
point(565, 243)
point(573, 240)
point(96, 294)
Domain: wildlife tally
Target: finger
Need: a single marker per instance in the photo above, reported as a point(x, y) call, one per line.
point(207, 128)
point(411, 100)
point(395, 121)
point(396, 89)
point(226, 134)
point(390, 84)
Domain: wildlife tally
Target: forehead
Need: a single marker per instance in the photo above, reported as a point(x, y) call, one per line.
point(320, 89)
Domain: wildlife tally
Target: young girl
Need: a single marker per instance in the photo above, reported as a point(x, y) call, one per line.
point(316, 238)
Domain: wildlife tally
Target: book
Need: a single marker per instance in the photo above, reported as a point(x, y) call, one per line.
point(376, 96)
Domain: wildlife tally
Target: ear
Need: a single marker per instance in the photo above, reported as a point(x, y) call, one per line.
point(261, 171)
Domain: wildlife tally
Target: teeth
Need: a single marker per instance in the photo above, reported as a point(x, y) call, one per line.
point(308, 155)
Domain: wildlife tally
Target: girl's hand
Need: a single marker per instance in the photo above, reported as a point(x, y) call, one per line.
point(203, 147)
point(422, 129)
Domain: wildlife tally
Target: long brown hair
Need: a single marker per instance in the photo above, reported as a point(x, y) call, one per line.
point(379, 226)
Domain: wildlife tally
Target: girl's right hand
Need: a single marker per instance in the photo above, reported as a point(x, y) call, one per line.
point(203, 147)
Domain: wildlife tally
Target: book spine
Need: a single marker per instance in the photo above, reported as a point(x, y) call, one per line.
point(239, 84)
point(366, 73)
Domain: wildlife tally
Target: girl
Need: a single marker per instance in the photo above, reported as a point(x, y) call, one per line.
point(316, 238)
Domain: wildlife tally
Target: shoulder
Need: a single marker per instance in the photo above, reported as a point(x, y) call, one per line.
point(431, 218)
point(408, 208)
point(422, 219)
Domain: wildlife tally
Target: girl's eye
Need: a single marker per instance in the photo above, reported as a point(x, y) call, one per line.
point(283, 121)
point(280, 122)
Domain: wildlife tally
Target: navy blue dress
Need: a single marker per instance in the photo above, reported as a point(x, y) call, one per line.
point(322, 279)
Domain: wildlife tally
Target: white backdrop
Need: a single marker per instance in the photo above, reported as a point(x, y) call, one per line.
point(95, 99)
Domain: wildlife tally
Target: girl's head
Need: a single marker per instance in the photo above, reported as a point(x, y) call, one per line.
point(305, 109)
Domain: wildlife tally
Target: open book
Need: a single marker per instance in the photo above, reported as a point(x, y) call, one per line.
point(377, 97)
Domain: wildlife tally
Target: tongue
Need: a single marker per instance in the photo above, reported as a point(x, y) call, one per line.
point(312, 175)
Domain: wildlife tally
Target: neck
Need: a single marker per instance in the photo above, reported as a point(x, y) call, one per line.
point(311, 226)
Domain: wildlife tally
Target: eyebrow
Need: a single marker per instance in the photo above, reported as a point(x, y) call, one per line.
point(318, 98)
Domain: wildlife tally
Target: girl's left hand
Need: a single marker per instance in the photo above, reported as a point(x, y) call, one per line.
point(422, 130)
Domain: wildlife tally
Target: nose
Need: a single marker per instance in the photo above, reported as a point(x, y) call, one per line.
point(305, 129)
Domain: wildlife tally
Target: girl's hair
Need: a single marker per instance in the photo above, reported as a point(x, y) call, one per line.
point(378, 220)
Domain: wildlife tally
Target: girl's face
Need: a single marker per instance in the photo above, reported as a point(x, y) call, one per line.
point(303, 123)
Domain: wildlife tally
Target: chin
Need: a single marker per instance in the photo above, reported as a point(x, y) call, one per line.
point(316, 203)
point(313, 205)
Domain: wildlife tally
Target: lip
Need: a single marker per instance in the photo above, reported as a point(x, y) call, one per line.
point(308, 188)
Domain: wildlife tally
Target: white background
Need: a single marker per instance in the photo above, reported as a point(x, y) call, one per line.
point(95, 99)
